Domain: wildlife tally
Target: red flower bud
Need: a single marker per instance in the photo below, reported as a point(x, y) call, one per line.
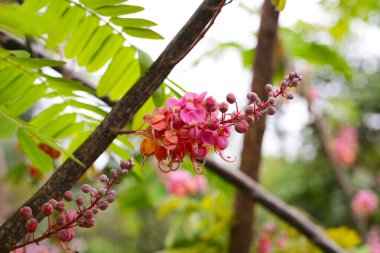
point(103, 178)
point(223, 107)
point(60, 207)
point(211, 104)
point(272, 110)
point(212, 123)
point(68, 196)
point(231, 98)
point(249, 110)
point(80, 200)
point(103, 205)
point(252, 96)
point(86, 188)
point(269, 87)
point(61, 220)
point(31, 225)
point(47, 209)
point(26, 212)
point(53, 202)
point(65, 235)
point(241, 126)
point(88, 214)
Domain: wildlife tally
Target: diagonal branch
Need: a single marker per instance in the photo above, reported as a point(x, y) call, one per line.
point(276, 206)
point(69, 172)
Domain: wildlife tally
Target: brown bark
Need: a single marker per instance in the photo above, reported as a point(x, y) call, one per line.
point(242, 228)
point(254, 192)
point(69, 172)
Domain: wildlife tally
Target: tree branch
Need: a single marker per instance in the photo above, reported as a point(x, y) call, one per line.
point(276, 206)
point(69, 172)
point(242, 229)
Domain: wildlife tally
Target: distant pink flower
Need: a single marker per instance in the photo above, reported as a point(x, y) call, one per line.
point(33, 248)
point(365, 202)
point(374, 240)
point(182, 183)
point(282, 241)
point(345, 145)
point(264, 244)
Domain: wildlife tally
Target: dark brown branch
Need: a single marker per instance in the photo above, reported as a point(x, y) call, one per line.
point(290, 215)
point(69, 172)
point(242, 228)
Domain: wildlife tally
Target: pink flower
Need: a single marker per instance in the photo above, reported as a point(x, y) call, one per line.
point(181, 183)
point(264, 245)
point(365, 202)
point(374, 240)
point(345, 145)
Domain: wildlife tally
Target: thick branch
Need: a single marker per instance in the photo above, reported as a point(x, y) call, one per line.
point(276, 206)
point(69, 172)
point(242, 229)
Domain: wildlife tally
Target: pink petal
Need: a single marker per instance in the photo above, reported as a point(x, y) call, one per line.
point(221, 142)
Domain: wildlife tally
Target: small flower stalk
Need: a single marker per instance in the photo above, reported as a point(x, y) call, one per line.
point(62, 226)
point(195, 123)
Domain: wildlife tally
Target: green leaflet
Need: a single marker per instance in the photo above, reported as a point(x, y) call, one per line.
point(143, 33)
point(39, 159)
point(279, 4)
point(7, 128)
point(100, 3)
point(117, 10)
point(132, 22)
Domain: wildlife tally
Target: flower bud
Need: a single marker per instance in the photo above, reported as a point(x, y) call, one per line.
point(61, 220)
point(47, 209)
point(289, 96)
point(53, 202)
point(241, 126)
point(31, 225)
point(272, 101)
point(95, 210)
point(65, 235)
point(111, 192)
point(88, 223)
point(249, 118)
point(223, 107)
point(250, 110)
point(231, 98)
point(60, 207)
point(103, 178)
point(102, 205)
point(114, 173)
point(93, 193)
point(102, 191)
point(271, 110)
point(88, 214)
point(80, 200)
point(283, 85)
point(86, 188)
point(295, 82)
point(268, 87)
point(68, 196)
point(252, 96)
point(124, 171)
point(211, 104)
point(26, 212)
point(110, 198)
point(212, 123)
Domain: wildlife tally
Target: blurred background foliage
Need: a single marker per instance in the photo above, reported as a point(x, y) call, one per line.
point(156, 212)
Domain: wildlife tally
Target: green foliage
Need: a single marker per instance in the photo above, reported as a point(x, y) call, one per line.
point(280, 4)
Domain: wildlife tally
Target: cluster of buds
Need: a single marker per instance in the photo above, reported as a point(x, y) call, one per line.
point(195, 123)
point(61, 226)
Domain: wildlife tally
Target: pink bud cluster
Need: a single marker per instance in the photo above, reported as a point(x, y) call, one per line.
point(61, 226)
point(195, 123)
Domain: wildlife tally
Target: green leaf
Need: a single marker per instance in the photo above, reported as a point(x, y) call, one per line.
point(142, 33)
point(279, 4)
point(145, 60)
point(159, 96)
point(66, 86)
point(20, 53)
point(60, 124)
point(92, 108)
point(7, 128)
point(128, 78)
point(38, 63)
point(99, 3)
point(39, 159)
point(43, 118)
point(81, 36)
point(132, 22)
point(71, 130)
point(113, 11)
point(119, 63)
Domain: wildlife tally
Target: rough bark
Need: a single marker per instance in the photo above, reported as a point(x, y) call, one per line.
point(69, 172)
point(242, 229)
point(254, 192)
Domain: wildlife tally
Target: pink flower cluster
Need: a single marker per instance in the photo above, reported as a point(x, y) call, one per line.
point(62, 227)
point(373, 240)
point(182, 183)
point(195, 123)
point(345, 145)
point(365, 203)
